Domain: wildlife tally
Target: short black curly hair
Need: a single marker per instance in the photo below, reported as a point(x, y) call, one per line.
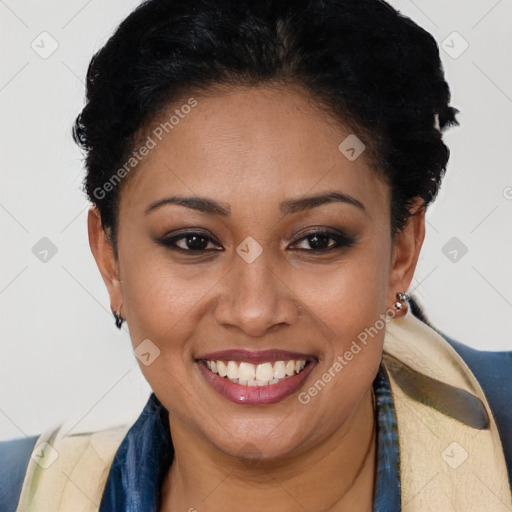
point(374, 69)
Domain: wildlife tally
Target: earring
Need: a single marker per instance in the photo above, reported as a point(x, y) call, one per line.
point(401, 303)
point(118, 317)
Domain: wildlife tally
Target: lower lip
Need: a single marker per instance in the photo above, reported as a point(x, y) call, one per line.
point(255, 395)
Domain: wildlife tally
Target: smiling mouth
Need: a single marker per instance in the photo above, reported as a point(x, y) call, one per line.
point(257, 375)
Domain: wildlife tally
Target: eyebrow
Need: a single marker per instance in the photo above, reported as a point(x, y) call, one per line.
point(287, 207)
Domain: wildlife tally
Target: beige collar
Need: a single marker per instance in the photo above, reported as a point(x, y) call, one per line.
point(451, 457)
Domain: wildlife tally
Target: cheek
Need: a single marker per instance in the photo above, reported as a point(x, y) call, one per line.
point(348, 303)
point(349, 315)
point(350, 295)
point(165, 307)
point(164, 300)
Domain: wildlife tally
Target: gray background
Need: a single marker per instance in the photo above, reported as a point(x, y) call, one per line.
point(61, 357)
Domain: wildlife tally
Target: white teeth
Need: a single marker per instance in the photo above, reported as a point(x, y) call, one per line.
point(279, 369)
point(246, 371)
point(263, 374)
point(232, 370)
point(222, 368)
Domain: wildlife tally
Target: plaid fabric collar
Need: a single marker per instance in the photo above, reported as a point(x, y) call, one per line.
point(141, 462)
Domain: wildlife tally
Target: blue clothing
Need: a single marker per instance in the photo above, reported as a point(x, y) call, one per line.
point(14, 457)
point(146, 452)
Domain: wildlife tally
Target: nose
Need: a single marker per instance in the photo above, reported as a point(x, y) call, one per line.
point(255, 298)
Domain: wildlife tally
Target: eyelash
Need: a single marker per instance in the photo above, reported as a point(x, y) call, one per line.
point(341, 241)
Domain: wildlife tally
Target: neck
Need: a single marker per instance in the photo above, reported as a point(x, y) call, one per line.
point(336, 475)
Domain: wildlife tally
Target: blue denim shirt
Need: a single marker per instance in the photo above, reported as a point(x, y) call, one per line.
point(141, 462)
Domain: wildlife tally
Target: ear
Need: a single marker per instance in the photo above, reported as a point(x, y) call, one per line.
point(406, 251)
point(103, 253)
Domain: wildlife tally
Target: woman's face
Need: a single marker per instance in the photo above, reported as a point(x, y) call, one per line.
point(256, 272)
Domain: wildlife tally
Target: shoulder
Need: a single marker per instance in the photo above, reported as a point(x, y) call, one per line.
point(87, 454)
point(489, 366)
point(14, 457)
point(493, 371)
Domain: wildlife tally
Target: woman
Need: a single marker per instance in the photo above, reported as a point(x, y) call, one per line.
point(259, 173)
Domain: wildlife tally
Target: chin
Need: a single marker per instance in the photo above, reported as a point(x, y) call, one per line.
point(265, 440)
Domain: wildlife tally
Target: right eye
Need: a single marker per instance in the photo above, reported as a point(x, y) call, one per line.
point(191, 241)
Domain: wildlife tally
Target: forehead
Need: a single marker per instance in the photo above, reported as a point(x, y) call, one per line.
point(259, 145)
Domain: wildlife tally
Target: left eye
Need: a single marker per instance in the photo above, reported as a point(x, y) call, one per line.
point(322, 241)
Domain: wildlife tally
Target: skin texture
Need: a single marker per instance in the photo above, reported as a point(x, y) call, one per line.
point(250, 149)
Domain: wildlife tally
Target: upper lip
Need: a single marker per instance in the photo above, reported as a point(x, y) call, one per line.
point(255, 356)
